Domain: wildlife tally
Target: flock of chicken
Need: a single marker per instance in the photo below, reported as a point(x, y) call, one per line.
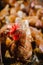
point(21, 28)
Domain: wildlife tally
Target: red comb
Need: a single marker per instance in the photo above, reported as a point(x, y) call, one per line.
point(13, 33)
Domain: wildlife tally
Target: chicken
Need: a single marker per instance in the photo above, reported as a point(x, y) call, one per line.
point(34, 21)
point(40, 13)
point(9, 1)
point(4, 12)
point(38, 38)
point(23, 48)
